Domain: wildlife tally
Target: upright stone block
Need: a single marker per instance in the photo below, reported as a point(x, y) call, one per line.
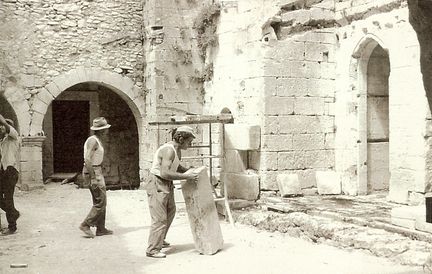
point(288, 184)
point(31, 162)
point(242, 137)
point(203, 217)
point(241, 185)
point(328, 182)
point(235, 160)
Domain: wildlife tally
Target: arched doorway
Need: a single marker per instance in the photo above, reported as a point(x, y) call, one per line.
point(378, 71)
point(67, 125)
point(370, 69)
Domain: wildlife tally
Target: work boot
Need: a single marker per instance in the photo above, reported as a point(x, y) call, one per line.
point(103, 232)
point(8, 231)
point(156, 255)
point(165, 244)
point(86, 229)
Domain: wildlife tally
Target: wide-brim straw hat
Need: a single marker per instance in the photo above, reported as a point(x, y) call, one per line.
point(100, 123)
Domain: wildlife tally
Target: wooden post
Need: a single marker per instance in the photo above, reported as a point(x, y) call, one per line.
point(203, 217)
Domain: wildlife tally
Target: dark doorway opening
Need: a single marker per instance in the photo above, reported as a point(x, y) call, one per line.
point(70, 130)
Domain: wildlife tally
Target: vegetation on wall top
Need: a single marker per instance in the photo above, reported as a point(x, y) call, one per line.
point(206, 25)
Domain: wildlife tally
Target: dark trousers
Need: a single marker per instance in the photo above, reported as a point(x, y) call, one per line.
point(429, 209)
point(8, 180)
point(96, 216)
point(162, 211)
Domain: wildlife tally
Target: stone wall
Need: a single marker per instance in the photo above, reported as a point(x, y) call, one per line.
point(174, 68)
point(299, 70)
point(48, 46)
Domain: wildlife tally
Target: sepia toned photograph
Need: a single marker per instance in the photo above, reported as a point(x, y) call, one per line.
point(215, 136)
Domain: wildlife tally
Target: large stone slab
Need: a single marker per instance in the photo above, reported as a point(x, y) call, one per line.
point(202, 214)
point(288, 184)
point(406, 216)
point(328, 182)
point(242, 137)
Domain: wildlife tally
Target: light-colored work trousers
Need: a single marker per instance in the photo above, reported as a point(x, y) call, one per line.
point(162, 207)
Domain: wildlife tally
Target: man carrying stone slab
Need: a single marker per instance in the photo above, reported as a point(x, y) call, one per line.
point(160, 189)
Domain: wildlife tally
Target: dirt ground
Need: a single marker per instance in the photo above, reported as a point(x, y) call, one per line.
point(48, 241)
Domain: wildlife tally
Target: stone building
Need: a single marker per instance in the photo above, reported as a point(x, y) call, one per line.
point(335, 86)
point(331, 91)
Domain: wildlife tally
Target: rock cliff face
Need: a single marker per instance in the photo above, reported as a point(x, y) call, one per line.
point(420, 18)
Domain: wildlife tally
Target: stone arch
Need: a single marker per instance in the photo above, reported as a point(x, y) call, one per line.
point(7, 111)
point(121, 85)
point(116, 83)
point(20, 108)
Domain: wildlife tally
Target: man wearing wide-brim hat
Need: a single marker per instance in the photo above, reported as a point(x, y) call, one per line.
point(92, 173)
point(165, 168)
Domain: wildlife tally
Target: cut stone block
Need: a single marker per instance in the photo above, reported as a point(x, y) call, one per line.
point(288, 184)
point(420, 224)
point(235, 160)
point(242, 137)
point(409, 212)
point(202, 214)
point(406, 216)
point(407, 223)
point(328, 182)
point(310, 191)
point(242, 185)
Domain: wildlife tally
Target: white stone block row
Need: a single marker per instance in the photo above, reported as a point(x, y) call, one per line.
point(309, 141)
point(306, 159)
point(318, 36)
point(280, 142)
point(305, 124)
point(298, 87)
point(309, 105)
point(279, 105)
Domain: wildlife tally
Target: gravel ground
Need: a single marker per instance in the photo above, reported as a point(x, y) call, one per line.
point(48, 241)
